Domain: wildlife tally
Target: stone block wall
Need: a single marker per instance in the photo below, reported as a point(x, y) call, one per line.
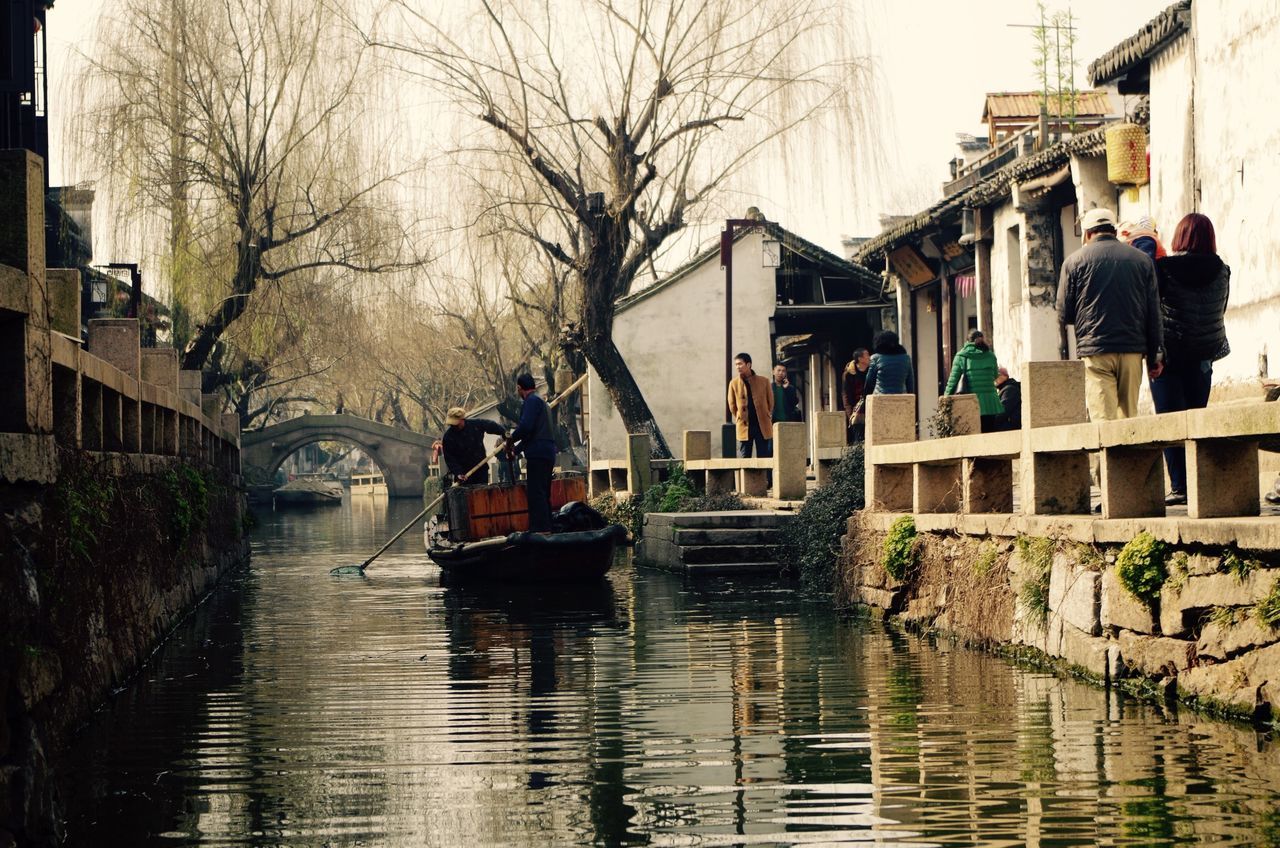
point(1203, 640)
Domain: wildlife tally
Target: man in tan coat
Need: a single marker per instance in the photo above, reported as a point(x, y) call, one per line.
point(751, 405)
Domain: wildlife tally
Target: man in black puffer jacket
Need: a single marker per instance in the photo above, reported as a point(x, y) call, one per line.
point(1108, 291)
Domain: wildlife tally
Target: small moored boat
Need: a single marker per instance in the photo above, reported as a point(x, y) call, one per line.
point(308, 491)
point(486, 538)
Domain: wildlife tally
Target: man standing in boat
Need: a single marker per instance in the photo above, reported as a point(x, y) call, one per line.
point(463, 446)
point(533, 438)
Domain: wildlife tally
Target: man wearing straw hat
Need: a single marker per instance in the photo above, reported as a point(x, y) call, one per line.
point(463, 446)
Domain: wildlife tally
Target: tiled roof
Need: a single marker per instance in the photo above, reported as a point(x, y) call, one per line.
point(1142, 45)
point(1026, 104)
point(986, 191)
point(796, 244)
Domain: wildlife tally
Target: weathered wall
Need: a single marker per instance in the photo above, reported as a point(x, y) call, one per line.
point(98, 568)
point(1213, 150)
point(673, 341)
point(1201, 641)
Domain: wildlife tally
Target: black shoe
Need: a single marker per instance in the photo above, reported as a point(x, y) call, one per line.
point(1174, 498)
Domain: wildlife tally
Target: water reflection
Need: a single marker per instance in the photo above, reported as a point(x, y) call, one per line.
point(296, 708)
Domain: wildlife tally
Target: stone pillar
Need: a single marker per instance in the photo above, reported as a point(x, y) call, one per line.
point(1053, 394)
point(1053, 483)
point(64, 300)
point(117, 341)
point(66, 406)
point(831, 429)
point(982, 275)
point(190, 386)
point(966, 414)
point(789, 451)
point(1222, 478)
point(891, 419)
point(26, 379)
point(697, 445)
point(211, 405)
point(160, 368)
point(639, 465)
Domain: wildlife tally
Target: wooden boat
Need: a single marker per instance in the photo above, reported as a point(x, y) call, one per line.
point(308, 491)
point(487, 540)
point(368, 484)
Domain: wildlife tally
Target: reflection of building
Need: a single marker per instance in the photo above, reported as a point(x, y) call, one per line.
point(791, 301)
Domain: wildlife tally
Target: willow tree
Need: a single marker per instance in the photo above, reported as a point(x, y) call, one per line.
point(239, 132)
point(618, 121)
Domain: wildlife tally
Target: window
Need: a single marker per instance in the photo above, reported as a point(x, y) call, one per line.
point(1013, 251)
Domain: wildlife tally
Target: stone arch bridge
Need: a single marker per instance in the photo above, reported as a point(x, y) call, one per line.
point(403, 455)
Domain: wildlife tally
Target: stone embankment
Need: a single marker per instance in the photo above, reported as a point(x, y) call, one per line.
point(120, 505)
point(1199, 623)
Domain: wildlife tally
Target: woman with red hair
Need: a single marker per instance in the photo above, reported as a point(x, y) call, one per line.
point(1194, 286)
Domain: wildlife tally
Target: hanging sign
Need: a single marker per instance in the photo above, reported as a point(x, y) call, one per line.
point(911, 266)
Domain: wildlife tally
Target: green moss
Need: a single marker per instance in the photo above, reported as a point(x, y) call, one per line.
point(1141, 567)
point(624, 511)
point(1088, 556)
point(1036, 553)
point(187, 501)
point(1268, 609)
point(1233, 563)
point(1179, 570)
point(988, 555)
point(900, 550)
point(86, 501)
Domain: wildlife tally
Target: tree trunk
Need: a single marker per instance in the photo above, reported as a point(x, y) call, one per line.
point(625, 394)
point(206, 336)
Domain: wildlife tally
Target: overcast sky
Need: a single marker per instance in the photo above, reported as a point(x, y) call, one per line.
point(936, 60)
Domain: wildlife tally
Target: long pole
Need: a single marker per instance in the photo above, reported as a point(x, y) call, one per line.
point(577, 384)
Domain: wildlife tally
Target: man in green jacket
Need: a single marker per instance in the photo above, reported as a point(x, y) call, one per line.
point(976, 364)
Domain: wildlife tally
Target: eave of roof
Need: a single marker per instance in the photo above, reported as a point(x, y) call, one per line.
point(790, 240)
point(984, 192)
point(1004, 105)
point(1142, 45)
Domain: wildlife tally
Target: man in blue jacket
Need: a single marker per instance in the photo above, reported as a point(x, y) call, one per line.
point(535, 441)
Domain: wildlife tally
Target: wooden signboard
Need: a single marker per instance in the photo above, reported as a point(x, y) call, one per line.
point(911, 266)
point(479, 512)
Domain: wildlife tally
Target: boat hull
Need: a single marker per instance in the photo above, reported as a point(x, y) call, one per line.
point(575, 557)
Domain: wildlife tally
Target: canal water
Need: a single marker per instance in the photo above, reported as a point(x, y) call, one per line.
point(297, 708)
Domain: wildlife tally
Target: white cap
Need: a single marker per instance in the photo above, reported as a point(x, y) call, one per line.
point(1095, 218)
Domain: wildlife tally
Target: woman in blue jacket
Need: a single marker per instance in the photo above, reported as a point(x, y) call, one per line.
point(890, 372)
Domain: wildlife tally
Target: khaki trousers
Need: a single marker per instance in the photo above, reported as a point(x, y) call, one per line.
point(1111, 383)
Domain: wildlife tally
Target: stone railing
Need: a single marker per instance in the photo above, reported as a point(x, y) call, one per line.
point(746, 477)
point(108, 395)
point(974, 474)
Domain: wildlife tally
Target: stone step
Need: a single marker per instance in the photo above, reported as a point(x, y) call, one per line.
point(728, 553)
point(725, 536)
point(749, 519)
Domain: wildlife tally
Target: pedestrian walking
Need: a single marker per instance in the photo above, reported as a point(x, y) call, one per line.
point(1194, 286)
point(973, 371)
point(1107, 290)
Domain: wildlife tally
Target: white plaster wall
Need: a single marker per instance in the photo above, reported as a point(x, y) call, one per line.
point(1007, 338)
point(1170, 194)
point(673, 342)
point(1237, 127)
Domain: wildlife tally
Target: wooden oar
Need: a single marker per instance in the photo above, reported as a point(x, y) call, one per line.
point(359, 569)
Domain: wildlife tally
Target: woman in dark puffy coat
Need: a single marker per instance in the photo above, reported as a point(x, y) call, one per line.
point(1194, 286)
point(890, 372)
